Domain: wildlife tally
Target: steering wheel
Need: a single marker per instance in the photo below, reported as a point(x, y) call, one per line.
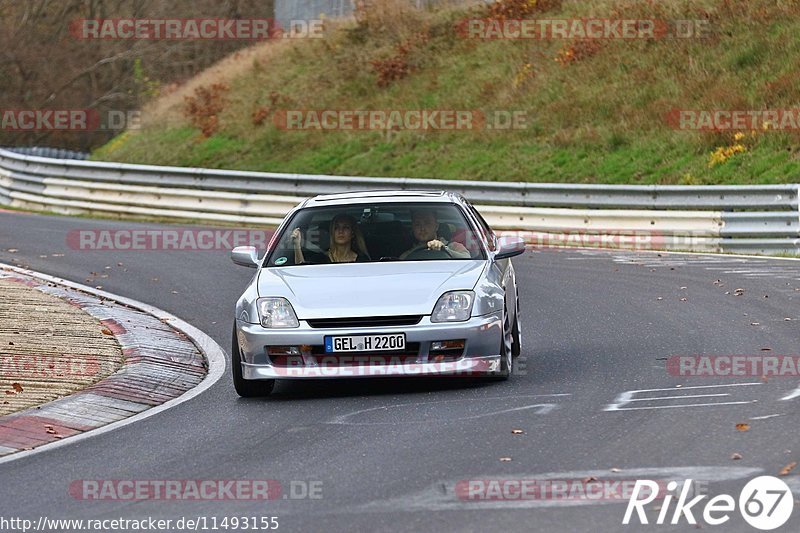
point(429, 255)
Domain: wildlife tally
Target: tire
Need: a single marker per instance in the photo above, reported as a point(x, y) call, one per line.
point(516, 346)
point(246, 388)
point(506, 350)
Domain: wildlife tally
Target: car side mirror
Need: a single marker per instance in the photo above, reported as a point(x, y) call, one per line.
point(245, 256)
point(509, 247)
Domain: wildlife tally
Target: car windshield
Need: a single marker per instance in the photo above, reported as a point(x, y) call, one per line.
point(376, 232)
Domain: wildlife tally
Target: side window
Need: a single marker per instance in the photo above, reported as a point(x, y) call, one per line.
point(487, 232)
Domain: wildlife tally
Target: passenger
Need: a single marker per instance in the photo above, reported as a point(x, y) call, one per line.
point(346, 242)
point(425, 228)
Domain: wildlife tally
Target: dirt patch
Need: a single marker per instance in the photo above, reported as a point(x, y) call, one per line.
point(49, 348)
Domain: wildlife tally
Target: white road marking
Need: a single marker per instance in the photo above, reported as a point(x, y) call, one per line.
point(676, 397)
point(794, 483)
point(792, 395)
point(627, 397)
point(747, 266)
point(541, 409)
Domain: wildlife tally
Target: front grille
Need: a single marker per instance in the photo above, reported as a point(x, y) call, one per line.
point(407, 356)
point(365, 322)
point(412, 348)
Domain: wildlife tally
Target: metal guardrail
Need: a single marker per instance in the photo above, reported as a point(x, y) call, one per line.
point(57, 153)
point(756, 219)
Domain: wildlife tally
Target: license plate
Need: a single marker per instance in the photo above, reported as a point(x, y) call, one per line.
point(365, 343)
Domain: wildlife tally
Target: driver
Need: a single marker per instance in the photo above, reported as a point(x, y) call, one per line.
point(425, 228)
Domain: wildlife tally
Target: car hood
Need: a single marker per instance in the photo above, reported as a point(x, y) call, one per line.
point(367, 289)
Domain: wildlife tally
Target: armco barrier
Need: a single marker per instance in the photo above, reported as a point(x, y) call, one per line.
point(58, 153)
point(752, 219)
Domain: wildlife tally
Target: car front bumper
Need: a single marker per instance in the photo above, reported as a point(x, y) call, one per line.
point(480, 357)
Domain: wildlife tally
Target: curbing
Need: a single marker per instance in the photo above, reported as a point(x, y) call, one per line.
point(136, 392)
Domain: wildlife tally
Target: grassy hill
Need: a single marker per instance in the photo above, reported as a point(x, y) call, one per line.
point(596, 109)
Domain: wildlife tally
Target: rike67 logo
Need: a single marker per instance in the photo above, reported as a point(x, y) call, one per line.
point(765, 503)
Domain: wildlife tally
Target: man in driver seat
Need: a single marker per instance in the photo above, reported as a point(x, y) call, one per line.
point(425, 228)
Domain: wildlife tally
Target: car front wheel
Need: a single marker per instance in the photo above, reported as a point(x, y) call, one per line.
point(506, 349)
point(244, 387)
point(516, 348)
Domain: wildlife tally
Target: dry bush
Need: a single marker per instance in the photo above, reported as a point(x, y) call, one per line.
point(783, 89)
point(390, 70)
point(204, 107)
point(518, 9)
point(399, 23)
point(260, 115)
point(578, 51)
point(262, 112)
point(168, 109)
point(397, 67)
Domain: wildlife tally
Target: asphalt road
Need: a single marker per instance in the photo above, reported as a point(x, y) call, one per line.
point(389, 453)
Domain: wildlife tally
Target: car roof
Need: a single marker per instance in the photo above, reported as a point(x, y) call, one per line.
point(380, 196)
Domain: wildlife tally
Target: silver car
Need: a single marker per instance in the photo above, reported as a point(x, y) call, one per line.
point(383, 283)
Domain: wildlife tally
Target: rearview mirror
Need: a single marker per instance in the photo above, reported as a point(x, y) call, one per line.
point(245, 256)
point(509, 247)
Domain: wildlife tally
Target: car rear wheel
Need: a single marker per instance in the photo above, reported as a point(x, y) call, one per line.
point(244, 387)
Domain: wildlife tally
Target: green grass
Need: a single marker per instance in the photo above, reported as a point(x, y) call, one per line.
point(599, 119)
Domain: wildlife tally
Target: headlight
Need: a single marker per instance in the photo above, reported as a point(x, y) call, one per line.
point(453, 306)
point(276, 313)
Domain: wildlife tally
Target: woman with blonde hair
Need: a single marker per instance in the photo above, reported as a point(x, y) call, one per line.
point(346, 242)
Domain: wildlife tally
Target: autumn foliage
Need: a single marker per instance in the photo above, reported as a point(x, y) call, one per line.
point(204, 107)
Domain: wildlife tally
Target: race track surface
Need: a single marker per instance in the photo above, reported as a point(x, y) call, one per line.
point(388, 453)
